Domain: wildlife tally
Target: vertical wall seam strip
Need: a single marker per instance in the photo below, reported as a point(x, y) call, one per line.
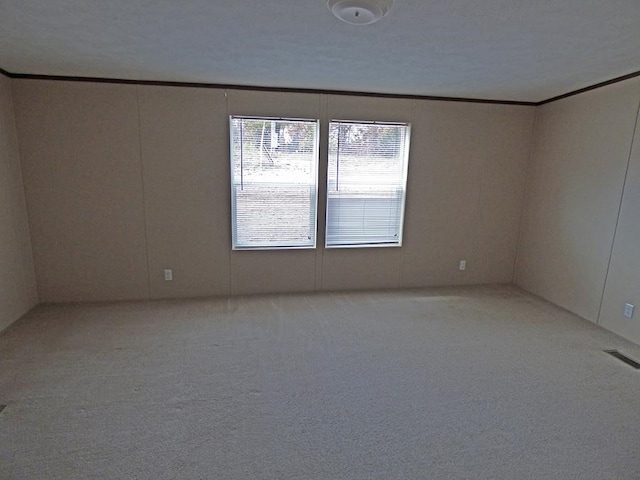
point(615, 230)
point(144, 196)
point(400, 283)
point(472, 247)
point(523, 202)
point(24, 194)
point(229, 199)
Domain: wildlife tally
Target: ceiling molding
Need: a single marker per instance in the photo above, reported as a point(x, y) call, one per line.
point(589, 88)
point(64, 78)
point(30, 76)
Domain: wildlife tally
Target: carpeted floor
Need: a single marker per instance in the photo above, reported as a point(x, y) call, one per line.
point(451, 383)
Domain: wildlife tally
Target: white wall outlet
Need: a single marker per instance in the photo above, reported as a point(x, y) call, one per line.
point(628, 310)
point(168, 274)
point(463, 265)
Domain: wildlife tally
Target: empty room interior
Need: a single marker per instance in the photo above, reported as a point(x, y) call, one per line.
point(354, 239)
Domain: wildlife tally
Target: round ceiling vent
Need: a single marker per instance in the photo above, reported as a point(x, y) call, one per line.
point(359, 12)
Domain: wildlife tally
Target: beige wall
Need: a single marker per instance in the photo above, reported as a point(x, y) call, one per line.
point(466, 183)
point(17, 279)
point(125, 181)
point(80, 153)
point(575, 185)
point(623, 279)
point(185, 191)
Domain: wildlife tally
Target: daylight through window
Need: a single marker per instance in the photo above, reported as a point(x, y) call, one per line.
point(366, 183)
point(273, 182)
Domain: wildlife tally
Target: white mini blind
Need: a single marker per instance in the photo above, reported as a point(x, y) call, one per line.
point(366, 183)
point(273, 182)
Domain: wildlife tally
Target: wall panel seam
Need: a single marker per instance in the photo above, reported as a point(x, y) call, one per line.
point(33, 273)
point(615, 230)
point(144, 196)
point(525, 192)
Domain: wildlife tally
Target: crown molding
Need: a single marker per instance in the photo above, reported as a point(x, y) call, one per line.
point(258, 88)
point(589, 88)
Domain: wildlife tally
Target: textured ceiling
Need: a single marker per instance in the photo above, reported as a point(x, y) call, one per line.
point(523, 50)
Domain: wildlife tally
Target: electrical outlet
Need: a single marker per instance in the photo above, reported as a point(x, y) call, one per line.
point(463, 265)
point(628, 310)
point(168, 275)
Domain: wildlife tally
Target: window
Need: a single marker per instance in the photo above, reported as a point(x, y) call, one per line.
point(273, 182)
point(366, 183)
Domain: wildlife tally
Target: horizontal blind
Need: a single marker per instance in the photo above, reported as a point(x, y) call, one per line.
point(366, 183)
point(273, 182)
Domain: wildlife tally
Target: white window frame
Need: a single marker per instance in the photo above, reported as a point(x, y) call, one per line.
point(401, 207)
point(313, 225)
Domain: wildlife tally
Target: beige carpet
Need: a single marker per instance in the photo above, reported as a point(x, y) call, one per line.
point(460, 383)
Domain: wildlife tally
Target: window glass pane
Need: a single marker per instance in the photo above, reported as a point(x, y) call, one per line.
point(366, 183)
point(274, 182)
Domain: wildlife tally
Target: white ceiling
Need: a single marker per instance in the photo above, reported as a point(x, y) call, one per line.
point(523, 50)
